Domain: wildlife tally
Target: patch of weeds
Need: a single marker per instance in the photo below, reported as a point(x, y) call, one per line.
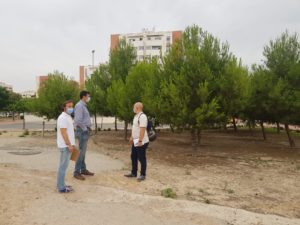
point(25, 132)
point(168, 193)
point(298, 167)
point(0, 133)
point(188, 193)
point(261, 178)
point(207, 201)
point(188, 172)
point(203, 192)
point(4, 132)
point(22, 135)
point(33, 133)
point(108, 129)
point(230, 191)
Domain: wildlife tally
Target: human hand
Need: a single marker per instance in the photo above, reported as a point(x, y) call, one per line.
point(71, 148)
point(130, 140)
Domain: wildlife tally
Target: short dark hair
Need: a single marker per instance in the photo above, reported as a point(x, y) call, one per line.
point(65, 104)
point(83, 94)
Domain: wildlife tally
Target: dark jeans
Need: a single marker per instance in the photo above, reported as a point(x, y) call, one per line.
point(83, 137)
point(139, 154)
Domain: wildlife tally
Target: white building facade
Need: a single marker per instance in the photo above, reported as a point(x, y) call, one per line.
point(148, 44)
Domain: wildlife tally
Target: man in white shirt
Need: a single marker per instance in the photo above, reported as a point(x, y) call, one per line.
point(139, 141)
point(65, 143)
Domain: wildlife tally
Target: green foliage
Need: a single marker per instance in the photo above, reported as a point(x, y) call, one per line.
point(121, 59)
point(98, 86)
point(53, 94)
point(118, 102)
point(282, 59)
point(188, 88)
point(233, 88)
point(168, 193)
point(4, 98)
point(8, 99)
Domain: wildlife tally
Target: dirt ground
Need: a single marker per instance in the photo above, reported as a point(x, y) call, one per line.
point(236, 170)
point(231, 179)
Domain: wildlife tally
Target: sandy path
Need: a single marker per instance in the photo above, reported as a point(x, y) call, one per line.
point(28, 197)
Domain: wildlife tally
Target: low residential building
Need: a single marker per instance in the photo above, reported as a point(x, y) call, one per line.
point(28, 94)
point(6, 86)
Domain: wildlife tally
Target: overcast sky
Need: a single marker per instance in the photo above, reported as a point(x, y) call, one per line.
point(40, 36)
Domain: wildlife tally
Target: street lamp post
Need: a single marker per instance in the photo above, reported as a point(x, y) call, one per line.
point(93, 67)
point(93, 52)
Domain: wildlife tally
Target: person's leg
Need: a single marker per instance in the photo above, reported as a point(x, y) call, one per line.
point(142, 158)
point(134, 160)
point(85, 138)
point(63, 165)
point(82, 148)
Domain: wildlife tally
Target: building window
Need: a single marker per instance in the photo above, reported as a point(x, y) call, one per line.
point(149, 38)
point(141, 47)
point(132, 39)
point(156, 47)
point(148, 47)
point(141, 39)
point(168, 38)
point(157, 38)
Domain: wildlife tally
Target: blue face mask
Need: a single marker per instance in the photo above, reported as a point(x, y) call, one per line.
point(70, 111)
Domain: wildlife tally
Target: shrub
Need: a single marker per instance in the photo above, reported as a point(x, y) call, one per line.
point(168, 193)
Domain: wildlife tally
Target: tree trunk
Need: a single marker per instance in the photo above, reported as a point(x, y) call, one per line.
point(101, 123)
point(250, 128)
point(172, 128)
point(96, 126)
point(126, 129)
point(291, 141)
point(24, 121)
point(263, 130)
point(278, 127)
point(225, 126)
point(116, 125)
point(198, 136)
point(43, 129)
point(13, 116)
point(234, 124)
point(194, 141)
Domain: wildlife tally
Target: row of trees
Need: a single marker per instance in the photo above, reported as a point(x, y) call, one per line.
point(199, 84)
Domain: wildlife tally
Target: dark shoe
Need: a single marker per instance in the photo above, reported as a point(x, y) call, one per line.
point(87, 173)
point(66, 190)
point(141, 178)
point(130, 175)
point(79, 176)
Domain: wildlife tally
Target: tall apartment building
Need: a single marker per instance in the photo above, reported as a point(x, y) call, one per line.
point(84, 73)
point(148, 44)
point(40, 80)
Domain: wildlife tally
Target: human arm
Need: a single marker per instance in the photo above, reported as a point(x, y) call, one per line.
point(66, 139)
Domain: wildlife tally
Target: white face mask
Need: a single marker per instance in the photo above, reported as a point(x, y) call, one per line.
point(88, 99)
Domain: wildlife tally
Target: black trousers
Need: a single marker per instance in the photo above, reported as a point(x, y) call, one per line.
point(139, 154)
